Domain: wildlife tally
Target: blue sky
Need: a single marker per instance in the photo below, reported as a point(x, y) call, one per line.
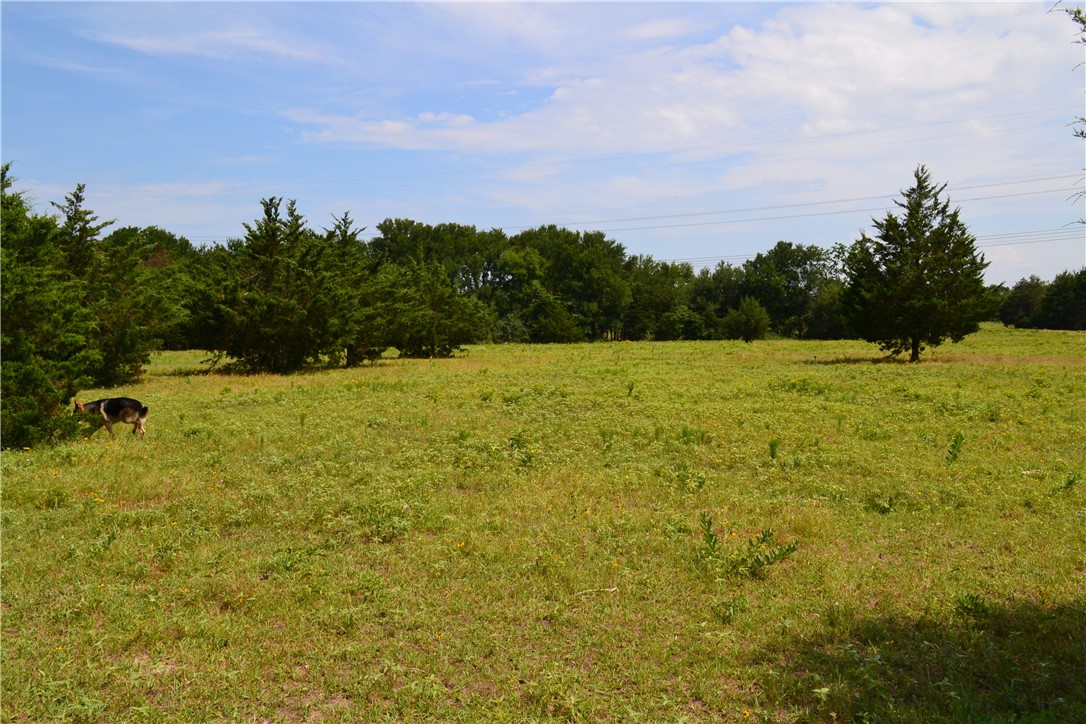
point(698, 132)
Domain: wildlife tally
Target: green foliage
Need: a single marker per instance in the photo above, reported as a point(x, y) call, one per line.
point(126, 285)
point(787, 281)
point(276, 318)
point(713, 293)
point(825, 318)
point(359, 298)
point(1059, 304)
point(881, 504)
point(971, 606)
point(126, 288)
point(748, 322)
point(137, 297)
point(1021, 303)
point(1064, 303)
point(747, 560)
point(920, 280)
point(46, 331)
point(79, 234)
point(430, 318)
point(955, 448)
point(583, 271)
point(658, 307)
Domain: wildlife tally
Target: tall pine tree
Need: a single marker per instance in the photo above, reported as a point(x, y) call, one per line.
point(920, 280)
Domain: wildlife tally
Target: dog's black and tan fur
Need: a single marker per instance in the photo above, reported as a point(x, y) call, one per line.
point(116, 409)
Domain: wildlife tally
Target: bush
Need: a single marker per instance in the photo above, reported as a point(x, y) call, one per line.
point(748, 322)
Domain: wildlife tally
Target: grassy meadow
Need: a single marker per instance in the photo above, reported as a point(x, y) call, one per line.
point(683, 531)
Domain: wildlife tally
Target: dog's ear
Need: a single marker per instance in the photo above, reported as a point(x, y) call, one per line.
point(78, 406)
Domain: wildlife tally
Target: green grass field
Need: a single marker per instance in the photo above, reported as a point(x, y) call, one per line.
point(528, 533)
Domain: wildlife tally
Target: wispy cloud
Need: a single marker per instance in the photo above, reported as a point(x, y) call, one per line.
point(68, 65)
point(809, 71)
point(218, 44)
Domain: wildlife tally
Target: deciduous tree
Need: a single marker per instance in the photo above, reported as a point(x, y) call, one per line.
point(1064, 303)
point(1022, 301)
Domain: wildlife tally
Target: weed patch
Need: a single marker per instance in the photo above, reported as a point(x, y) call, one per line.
point(745, 560)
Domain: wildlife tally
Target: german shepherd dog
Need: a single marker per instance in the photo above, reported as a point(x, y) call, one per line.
point(115, 409)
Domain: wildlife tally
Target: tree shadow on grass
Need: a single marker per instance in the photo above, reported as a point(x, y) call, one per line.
point(887, 360)
point(1015, 662)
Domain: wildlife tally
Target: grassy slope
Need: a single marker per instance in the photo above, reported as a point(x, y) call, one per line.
point(514, 534)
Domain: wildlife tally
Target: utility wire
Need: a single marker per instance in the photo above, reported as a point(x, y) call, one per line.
point(777, 207)
point(1042, 236)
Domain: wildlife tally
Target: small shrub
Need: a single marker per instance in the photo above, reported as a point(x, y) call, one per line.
point(685, 479)
point(748, 322)
point(749, 560)
point(880, 505)
point(694, 436)
point(726, 611)
point(56, 498)
point(955, 447)
point(971, 606)
point(1067, 485)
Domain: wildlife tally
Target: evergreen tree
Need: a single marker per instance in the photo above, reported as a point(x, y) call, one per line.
point(359, 299)
point(212, 291)
point(46, 329)
point(80, 233)
point(431, 318)
point(277, 319)
point(920, 280)
point(136, 297)
point(123, 279)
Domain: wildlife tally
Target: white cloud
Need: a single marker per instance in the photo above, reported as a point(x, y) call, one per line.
point(812, 70)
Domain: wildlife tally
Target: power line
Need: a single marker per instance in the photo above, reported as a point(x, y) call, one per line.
point(778, 207)
point(785, 217)
point(814, 203)
point(1040, 236)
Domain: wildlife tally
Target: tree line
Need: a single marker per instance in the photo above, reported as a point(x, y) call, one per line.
point(85, 308)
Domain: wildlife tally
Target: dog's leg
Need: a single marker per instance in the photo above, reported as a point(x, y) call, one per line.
point(106, 422)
